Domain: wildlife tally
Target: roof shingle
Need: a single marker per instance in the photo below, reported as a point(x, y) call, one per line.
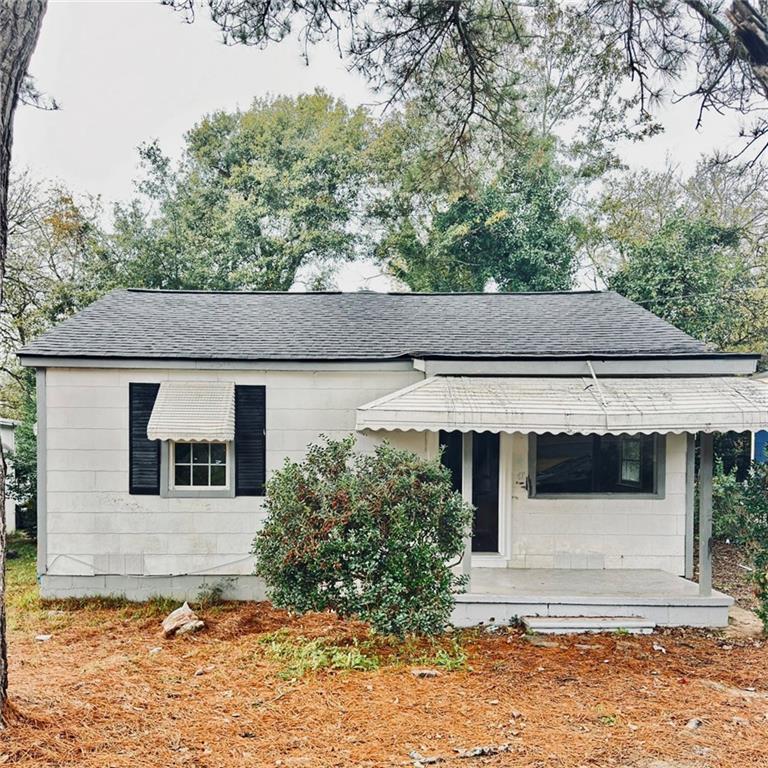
point(361, 326)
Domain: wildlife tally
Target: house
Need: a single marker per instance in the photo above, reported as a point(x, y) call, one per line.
point(8, 441)
point(759, 452)
point(569, 420)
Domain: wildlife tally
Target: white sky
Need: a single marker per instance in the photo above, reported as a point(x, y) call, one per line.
point(127, 72)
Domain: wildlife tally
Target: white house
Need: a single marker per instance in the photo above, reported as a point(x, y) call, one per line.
point(8, 440)
point(568, 419)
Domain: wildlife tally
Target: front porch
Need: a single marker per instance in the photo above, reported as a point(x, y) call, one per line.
point(500, 595)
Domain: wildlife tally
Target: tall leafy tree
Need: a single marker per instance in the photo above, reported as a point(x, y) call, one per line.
point(259, 196)
point(689, 273)
point(512, 233)
point(694, 248)
point(56, 248)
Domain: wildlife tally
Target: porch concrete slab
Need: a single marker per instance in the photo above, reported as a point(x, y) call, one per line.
point(632, 586)
point(499, 595)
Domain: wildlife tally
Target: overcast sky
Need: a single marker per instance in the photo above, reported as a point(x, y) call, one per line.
point(127, 72)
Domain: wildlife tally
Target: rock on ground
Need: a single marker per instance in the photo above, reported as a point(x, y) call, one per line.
point(181, 621)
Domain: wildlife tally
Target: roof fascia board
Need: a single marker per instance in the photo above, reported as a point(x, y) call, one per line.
point(32, 361)
point(716, 366)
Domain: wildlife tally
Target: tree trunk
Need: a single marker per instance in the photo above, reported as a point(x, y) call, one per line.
point(751, 28)
point(20, 22)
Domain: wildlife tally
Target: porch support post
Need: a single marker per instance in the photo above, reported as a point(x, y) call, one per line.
point(466, 492)
point(705, 515)
point(690, 497)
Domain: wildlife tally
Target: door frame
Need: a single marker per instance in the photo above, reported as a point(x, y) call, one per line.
point(487, 559)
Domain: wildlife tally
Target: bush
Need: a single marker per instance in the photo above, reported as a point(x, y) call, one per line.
point(741, 513)
point(728, 513)
point(756, 533)
point(370, 536)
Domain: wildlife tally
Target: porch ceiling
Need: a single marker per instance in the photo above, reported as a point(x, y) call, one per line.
point(572, 405)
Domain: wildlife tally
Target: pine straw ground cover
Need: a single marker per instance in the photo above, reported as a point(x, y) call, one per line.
point(261, 688)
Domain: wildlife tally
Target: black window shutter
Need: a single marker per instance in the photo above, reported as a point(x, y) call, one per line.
point(144, 454)
point(250, 440)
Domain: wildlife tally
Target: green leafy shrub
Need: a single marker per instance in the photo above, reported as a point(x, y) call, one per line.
point(741, 512)
point(728, 512)
point(365, 535)
point(756, 534)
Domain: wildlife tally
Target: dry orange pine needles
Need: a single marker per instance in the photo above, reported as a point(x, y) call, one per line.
point(114, 694)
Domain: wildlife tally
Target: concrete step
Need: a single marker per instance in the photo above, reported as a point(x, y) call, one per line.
point(574, 625)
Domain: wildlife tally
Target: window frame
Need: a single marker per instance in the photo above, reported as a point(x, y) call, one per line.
point(168, 488)
point(659, 476)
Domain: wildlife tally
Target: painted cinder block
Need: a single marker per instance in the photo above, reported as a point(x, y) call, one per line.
point(88, 461)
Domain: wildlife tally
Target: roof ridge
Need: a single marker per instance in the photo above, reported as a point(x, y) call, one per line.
point(217, 292)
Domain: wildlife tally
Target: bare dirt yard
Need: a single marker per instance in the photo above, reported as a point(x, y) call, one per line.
point(261, 688)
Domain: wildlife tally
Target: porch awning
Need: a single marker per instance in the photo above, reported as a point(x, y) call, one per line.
point(194, 411)
point(572, 405)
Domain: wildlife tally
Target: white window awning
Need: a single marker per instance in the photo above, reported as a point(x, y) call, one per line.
point(194, 411)
point(572, 405)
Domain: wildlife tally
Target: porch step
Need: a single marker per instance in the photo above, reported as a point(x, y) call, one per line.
point(574, 625)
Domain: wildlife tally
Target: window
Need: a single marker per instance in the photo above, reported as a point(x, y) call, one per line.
point(595, 464)
point(199, 465)
point(631, 461)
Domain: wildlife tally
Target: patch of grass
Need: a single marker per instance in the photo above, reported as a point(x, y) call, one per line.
point(451, 659)
point(25, 605)
point(22, 595)
point(444, 652)
point(212, 594)
point(300, 655)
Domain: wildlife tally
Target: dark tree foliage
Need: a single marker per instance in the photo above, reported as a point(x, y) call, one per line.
point(450, 51)
point(686, 274)
point(512, 233)
point(258, 196)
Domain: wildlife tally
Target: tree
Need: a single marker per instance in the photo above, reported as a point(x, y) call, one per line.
point(690, 247)
point(56, 249)
point(688, 273)
point(19, 29)
point(461, 53)
point(259, 196)
point(512, 232)
point(570, 87)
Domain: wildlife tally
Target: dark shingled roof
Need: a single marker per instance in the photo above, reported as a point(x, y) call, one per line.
point(197, 325)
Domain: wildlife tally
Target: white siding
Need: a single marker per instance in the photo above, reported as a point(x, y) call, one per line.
point(96, 527)
point(606, 532)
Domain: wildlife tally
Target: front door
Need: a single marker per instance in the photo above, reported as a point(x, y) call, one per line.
point(485, 483)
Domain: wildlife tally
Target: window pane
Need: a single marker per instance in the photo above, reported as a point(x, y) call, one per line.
point(564, 463)
point(182, 453)
point(573, 464)
point(218, 453)
point(218, 474)
point(181, 475)
point(200, 453)
point(630, 447)
point(630, 471)
point(451, 443)
point(200, 474)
